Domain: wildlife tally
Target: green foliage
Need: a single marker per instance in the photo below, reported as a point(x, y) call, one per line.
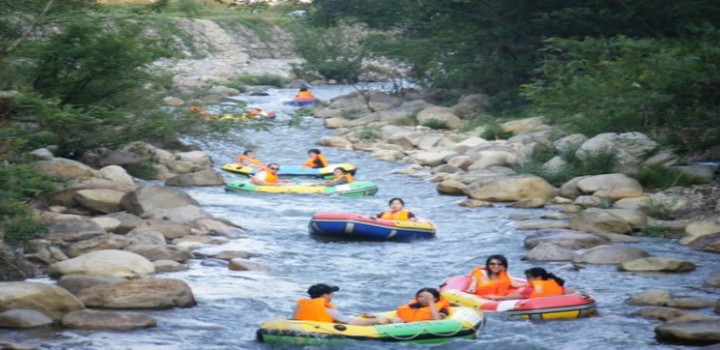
point(493, 131)
point(334, 53)
point(20, 229)
point(265, 79)
point(660, 208)
point(368, 134)
point(656, 230)
point(17, 183)
point(145, 171)
point(658, 176)
point(435, 124)
point(595, 163)
point(408, 120)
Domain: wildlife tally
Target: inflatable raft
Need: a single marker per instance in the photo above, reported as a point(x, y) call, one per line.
point(353, 226)
point(296, 102)
point(568, 306)
point(355, 189)
point(291, 170)
point(461, 323)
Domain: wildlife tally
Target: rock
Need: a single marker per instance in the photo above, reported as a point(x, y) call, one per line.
point(107, 241)
point(335, 141)
point(471, 105)
point(665, 158)
point(198, 158)
point(659, 313)
point(697, 229)
point(511, 188)
point(160, 293)
point(335, 123)
point(170, 230)
point(359, 101)
point(443, 115)
point(154, 197)
point(430, 158)
point(475, 203)
point(492, 157)
point(207, 177)
point(104, 262)
point(698, 173)
point(692, 318)
point(546, 251)
point(691, 303)
point(656, 264)
point(163, 265)
point(698, 332)
point(155, 252)
point(232, 254)
point(224, 90)
point(23, 318)
point(650, 297)
point(108, 224)
point(65, 168)
point(588, 201)
point(569, 189)
point(42, 154)
point(76, 283)
point(112, 320)
point(567, 239)
point(246, 265)
point(611, 186)
point(599, 220)
point(617, 238)
point(541, 225)
point(120, 157)
point(570, 141)
point(530, 203)
point(51, 300)
point(216, 227)
point(451, 187)
point(173, 101)
point(523, 125)
point(713, 281)
point(460, 161)
point(75, 228)
point(606, 254)
point(127, 221)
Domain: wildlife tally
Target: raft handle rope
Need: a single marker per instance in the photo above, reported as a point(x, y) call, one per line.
point(425, 330)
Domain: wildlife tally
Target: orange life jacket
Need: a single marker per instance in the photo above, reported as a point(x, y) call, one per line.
point(305, 95)
point(253, 162)
point(316, 161)
point(401, 215)
point(347, 177)
point(314, 310)
point(200, 110)
point(269, 177)
point(410, 314)
point(487, 286)
point(545, 288)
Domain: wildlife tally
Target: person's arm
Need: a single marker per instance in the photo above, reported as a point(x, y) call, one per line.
point(339, 317)
point(518, 294)
point(412, 216)
point(434, 313)
point(472, 288)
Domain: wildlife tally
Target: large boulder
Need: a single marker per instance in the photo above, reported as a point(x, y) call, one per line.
point(656, 264)
point(520, 126)
point(153, 197)
point(49, 299)
point(116, 173)
point(511, 189)
point(100, 200)
point(629, 148)
point(443, 115)
point(23, 318)
point(698, 332)
point(471, 105)
point(653, 297)
point(599, 220)
point(567, 239)
point(76, 283)
point(607, 254)
point(207, 177)
point(430, 158)
point(546, 251)
point(112, 320)
point(66, 169)
point(161, 293)
point(104, 262)
point(361, 100)
point(107, 241)
point(335, 141)
point(698, 229)
point(451, 187)
point(611, 186)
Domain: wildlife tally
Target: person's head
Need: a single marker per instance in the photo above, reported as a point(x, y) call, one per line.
point(420, 296)
point(339, 171)
point(538, 273)
point(274, 167)
point(255, 110)
point(249, 153)
point(322, 290)
point(496, 264)
point(396, 204)
point(303, 88)
point(314, 152)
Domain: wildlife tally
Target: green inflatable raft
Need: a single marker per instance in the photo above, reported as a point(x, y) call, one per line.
point(355, 189)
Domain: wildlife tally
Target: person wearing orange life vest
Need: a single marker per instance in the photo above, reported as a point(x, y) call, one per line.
point(427, 306)
point(268, 176)
point(198, 110)
point(316, 160)
point(305, 95)
point(540, 284)
point(248, 158)
point(396, 212)
point(493, 278)
point(341, 177)
point(319, 308)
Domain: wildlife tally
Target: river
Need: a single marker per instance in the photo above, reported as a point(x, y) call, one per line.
point(373, 276)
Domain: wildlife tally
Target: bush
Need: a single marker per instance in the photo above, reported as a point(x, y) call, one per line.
point(20, 229)
point(435, 124)
point(368, 134)
point(265, 79)
point(596, 163)
point(493, 131)
point(145, 171)
point(657, 176)
point(659, 209)
point(335, 53)
point(18, 183)
point(656, 230)
point(409, 120)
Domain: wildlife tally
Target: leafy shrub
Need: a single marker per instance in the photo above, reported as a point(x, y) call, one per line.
point(335, 53)
point(264, 79)
point(409, 120)
point(144, 171)
point(659, 209)
point(435, 124)
point(656, 230)
point(368, 134)
point(20, 229)
point(596, 163)
point(658, 176)
point(493, 131)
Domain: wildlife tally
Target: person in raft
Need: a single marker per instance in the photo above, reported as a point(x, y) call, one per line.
point(540, 284)
point(493, 278)
point(341, 177)
point(427, 306)
point(316, 160)
point(268, 176)
point(396, 212)
point(305, 95)
point(248, 158)
point(319, 308)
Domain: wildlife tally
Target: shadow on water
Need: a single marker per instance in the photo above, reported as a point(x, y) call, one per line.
point(373, 276)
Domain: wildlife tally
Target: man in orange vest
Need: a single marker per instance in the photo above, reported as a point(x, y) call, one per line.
point(320, 309)
point(268, 176)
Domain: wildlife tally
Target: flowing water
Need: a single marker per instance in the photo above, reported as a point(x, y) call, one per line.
point(373, 276)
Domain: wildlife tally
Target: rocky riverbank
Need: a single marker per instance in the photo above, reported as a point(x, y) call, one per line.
point(597, 218)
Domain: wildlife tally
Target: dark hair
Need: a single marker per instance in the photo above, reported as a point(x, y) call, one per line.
point(432, 291)
point(314, 150)
point(303, 88)
point(341, 169)
point(396, 199)
point(248, 151)
point(544, 275)
point(502, 259)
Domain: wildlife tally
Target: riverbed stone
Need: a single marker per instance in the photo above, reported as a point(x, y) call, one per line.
point(708, 243)
point(656, 264)
point(335, 141)
point(606, 254)
point(76, 283)
point(568, 239)
point(154, 197)
point(692, 317)
point(528, 225)
point(713, 281)
point(145, 235)
point(184, 215)
point(697, 229)
point(116, 173)
point(238, 264)
point(599, 220)
point(164, 265)
point(65, 168)
point(659, 312)
point(23, 318)
point(617, 238)
point(159, 293)
point(690, 303)
point(475, 203)
point(206, 177)
point(49, 299)
point(156, 252)
point(546, 251)
point(110, 320)
point(655, 297)
point(444, 115)
point(106, 263)
point(611, 186)
point(451, 187)
point(127, 221)
point(698, 332)
point(106, 241)
point(511, 188)
point(530, 203)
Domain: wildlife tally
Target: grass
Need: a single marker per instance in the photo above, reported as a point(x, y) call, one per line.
point(408, 120)
point(596, 163)
point(265, 79)
point(656, 230)
point(659, 209)
point(493, 131)
point(658, 176)
point(144, 171)
point(435, 124)
point(368, 134)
